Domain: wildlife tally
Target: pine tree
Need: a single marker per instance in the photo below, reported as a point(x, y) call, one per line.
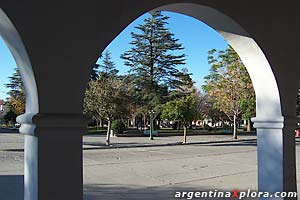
point(94, 74)
point(16, 93)
point(108, 66)
point(95, 71)
point(154, 60)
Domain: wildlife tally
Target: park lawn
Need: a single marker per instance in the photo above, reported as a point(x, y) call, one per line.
point(133, 132)
point(95, 131)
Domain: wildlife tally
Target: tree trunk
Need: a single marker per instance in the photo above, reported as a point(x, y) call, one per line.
point(144, 122)
point(108, 133)
point(234, 127)
point(184, 134)
point(133, 122)
point(158, 123)
point(213, 123)
point(248, 125)
point(178, 125)
point(101, 123)
point(97, 124)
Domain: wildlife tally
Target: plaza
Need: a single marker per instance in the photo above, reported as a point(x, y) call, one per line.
point(134, 170)
point(55, 45)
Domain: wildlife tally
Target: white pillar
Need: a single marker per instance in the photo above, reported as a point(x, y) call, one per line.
point(276, 154)
point(53, 156)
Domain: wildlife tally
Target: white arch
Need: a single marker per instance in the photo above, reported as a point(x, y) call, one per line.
point(269, 120)
point(264, 83)
point(15, 44)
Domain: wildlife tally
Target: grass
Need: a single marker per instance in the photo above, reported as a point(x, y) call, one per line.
point(162, 132)
point(6, 126)
point(95, 131)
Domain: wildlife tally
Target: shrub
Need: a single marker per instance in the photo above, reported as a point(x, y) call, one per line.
point(10, 117)
point(118, 126)
point(207, 127)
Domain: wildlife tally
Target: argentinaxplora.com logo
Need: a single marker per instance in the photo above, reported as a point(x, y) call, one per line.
point(237, 194)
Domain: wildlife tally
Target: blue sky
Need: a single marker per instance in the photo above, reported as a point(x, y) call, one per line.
point(195, 36)
point(7, 65)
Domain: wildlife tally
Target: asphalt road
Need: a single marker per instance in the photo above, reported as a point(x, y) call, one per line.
point(145, 172)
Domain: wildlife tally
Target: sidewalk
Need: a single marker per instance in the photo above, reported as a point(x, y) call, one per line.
point(98, 141)
point(10, 140)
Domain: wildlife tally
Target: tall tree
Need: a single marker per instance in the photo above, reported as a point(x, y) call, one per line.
point(108, 68)
point(106, 97)
point(95, 71)
point(213, 113)
point(200, 103)
point(229, 85)
point(94, 74)
point(16, 99)
point(154, 60)
point(249, 109)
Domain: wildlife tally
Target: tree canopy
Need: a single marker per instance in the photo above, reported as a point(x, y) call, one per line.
point(106, 97)
point(154, 60)
point(183, 110)
point(16, 99)
point(229, 85)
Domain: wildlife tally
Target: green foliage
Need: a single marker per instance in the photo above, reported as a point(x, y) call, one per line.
point(94, 74)
point(118, 126)
point(106, 97)
point(249, 106)
point(207, 127)
point(16, 93)
point(153, 61)
point(183, 109)
point(108, 67)
point(229, 85)
point(95, 71)
point(10, 116)
point(209, 111)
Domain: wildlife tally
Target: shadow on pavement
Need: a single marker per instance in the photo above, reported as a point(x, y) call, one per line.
point(246, 142)
point(126, 145)
point(119, 145)
point(9, 130)
point(240, 143)
point(123, 192)
point(11, 187)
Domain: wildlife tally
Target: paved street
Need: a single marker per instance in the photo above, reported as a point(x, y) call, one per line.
point(154, 172)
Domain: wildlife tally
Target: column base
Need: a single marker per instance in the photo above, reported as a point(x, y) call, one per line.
point(53, 156)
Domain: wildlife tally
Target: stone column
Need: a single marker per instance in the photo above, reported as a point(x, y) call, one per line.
point(289, 156)
point(276, 154)
point(53, 156)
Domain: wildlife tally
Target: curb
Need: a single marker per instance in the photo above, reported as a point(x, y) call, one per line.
point(167, 144)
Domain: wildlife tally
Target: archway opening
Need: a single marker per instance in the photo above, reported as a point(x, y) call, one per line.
point(20, 82)
point(267, 97)
point(11, 147)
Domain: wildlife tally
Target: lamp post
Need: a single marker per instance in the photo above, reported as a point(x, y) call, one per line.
point(151, 112)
